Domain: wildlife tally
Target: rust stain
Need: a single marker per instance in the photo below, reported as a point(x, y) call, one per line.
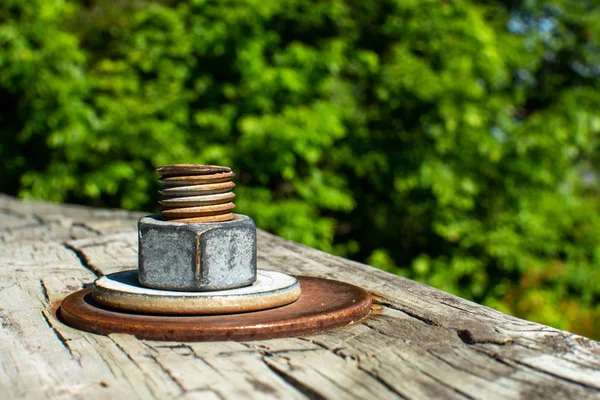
point(198, 256)
point(201, 211)
point(379, 299)
point(174, 181)
point(376, 308)
point(190, 169)
point(212, 218)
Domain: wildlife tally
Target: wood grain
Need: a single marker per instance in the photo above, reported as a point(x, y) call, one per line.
point(423, 343)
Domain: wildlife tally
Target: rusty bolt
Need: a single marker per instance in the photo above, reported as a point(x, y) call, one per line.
point(197, 193)
point(197, 244)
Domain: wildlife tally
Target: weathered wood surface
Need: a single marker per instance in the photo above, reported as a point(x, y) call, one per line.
point(422, 343)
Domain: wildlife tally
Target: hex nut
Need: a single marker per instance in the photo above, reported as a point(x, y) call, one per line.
point(197, 257)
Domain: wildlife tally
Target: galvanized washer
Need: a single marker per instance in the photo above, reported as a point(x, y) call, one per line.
point(174, 181)
point(123, 291)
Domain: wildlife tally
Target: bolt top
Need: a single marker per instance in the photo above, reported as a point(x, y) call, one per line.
point(196, 193)
point(190, 169)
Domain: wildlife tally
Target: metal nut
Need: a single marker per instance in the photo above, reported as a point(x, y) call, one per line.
point(197, 257)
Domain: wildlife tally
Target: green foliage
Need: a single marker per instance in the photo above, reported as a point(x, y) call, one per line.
point(452, 142)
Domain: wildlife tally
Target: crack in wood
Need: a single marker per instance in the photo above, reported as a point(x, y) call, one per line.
point(83, 225)
point(557, 376)
point(63, 340)
point(9, 211)
point(11, 229)
point(83, 259)
point(513, 362)
point(378, 299)
point(44, 292)
point(465, 335)
point(166, 370)
point(293, 381)
point(140, 367)
point(383, 382)
point(443, 383)
point(471, 371)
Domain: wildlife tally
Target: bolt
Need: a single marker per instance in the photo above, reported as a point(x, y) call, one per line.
point(196, 193)
point(197, 244)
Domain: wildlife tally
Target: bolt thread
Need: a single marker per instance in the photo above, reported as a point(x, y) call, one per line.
point(196, 193)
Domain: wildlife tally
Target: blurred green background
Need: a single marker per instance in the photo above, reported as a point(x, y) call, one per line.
point(453, 142)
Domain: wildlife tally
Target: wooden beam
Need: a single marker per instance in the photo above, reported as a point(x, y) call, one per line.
point(422, 342)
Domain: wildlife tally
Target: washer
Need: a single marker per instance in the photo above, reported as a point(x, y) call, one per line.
point(123, 291)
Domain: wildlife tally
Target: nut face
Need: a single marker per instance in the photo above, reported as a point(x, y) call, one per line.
point(197, 256)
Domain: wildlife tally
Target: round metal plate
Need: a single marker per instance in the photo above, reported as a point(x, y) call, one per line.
point(197, 190)
point(323, 305)
point(201, 211)
point(196, 179)
point(123, 291)
point(202, 220)
point(194, 201)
